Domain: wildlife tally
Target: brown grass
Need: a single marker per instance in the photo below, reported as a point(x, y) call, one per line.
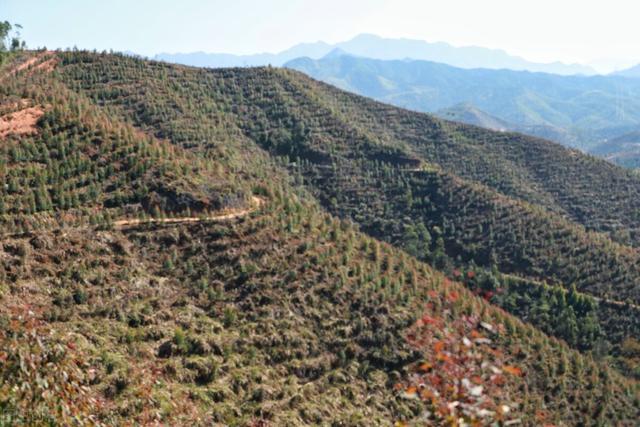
point(21, 122)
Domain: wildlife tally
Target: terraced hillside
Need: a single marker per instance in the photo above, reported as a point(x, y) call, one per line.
point(589, 191)
point(274, 313)
point(492, 199)
point(586, 190)
point(81, 162)
point(273, 318)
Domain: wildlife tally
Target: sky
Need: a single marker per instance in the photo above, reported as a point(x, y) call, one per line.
point(603, 34)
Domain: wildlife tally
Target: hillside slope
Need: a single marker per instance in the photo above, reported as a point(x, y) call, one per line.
point(467, 113)
point(280, 315)
point(490, 181)
point(581, 111)
point(586, 190)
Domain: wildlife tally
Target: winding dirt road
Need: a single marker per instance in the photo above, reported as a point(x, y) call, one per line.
point(130, 223)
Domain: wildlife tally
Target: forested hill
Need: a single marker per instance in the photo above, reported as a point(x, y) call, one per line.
point(522, 205)
point(582, 188)
point(585, 189)
point(251, 247)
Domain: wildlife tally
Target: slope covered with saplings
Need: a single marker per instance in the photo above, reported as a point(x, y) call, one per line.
point(473, 197)
point(79, 161)
point(587, 190)
point(280, 315)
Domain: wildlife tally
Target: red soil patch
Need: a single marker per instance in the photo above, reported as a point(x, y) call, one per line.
point(33, 64)
point(26, 64)
point(46, 66)
point(21, 122)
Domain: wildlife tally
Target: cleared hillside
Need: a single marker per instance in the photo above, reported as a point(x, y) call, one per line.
point(587, 190)
point(284, 315)
point(500, 200)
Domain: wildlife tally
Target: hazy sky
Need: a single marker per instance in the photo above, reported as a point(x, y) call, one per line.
point(585, 31)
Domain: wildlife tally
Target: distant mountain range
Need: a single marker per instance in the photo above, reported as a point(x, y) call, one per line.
point(218, 60)
point(629, 72)
point(375, 47)
point(578, 111)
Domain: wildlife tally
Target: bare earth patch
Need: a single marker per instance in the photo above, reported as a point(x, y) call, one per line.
point(8, 107)
point(26, 64)
point(232, 214)
point(46, 66)
point(37, 63)
point(21, 122)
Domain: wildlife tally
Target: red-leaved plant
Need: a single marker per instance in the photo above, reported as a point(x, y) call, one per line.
point(461, 379)
point(42, 375)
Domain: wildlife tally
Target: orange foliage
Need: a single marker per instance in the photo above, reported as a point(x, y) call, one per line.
point(453, 296)
point(513, 370)
point(460, 380)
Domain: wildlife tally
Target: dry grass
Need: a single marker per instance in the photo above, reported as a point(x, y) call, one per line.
point(21, 122)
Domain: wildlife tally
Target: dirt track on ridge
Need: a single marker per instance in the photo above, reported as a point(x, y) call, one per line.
point(130, 223)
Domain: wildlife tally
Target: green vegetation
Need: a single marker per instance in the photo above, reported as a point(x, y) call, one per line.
point(9, 42)
point(287, 314)
point(435, 215)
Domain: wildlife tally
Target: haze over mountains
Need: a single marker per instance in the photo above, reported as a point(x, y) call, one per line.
point(569, 104)
point(633, 72)
point(376, 47)
point(578, 111)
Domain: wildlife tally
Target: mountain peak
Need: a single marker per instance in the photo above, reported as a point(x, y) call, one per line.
point(377, 47)
point(336, 53)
